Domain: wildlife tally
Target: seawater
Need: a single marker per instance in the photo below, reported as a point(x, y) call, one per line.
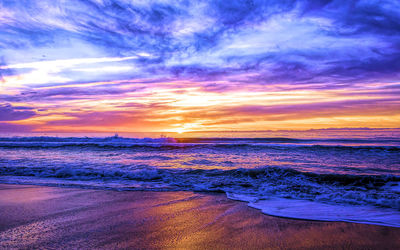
point(335, 175)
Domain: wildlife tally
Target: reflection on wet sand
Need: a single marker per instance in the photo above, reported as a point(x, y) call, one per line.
point(45, 217)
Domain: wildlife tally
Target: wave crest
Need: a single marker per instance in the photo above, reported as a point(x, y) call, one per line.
point(262, 182)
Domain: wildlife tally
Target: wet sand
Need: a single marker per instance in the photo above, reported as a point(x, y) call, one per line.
point(48, 218)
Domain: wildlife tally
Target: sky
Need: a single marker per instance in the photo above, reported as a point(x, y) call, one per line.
point(177, 66)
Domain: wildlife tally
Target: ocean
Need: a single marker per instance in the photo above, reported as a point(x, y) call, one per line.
point(330, 175)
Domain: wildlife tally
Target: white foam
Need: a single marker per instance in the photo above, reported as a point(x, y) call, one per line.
point(310, 210)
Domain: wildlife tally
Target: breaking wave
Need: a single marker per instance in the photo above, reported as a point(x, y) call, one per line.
point(335, 178)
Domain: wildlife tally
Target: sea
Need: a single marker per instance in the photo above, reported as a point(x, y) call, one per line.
point(329, 175)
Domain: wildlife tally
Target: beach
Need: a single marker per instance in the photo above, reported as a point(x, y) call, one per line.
point(199, 124)
point(55, 217)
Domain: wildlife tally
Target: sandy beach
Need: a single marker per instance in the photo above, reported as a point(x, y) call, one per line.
point(52, 217)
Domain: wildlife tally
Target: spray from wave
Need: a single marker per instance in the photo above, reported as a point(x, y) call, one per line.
point(335, 178)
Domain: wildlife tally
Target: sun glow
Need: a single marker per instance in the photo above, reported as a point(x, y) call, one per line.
point(180, 130)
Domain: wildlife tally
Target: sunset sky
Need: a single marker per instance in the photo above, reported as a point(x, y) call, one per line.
point(132, 66)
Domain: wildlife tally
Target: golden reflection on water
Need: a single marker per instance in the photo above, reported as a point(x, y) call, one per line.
point(189, 222)
point(213, 222)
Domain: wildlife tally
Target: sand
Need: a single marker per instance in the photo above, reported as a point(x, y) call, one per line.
point(52, 218)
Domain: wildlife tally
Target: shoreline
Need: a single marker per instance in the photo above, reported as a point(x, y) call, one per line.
point(41, 217)
point(262, 209)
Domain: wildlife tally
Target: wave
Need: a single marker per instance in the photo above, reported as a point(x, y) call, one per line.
point(348, 175)
point(262, 182)
point(116, 142)
point(289, 140)
point(311, 210)
point(117, 138)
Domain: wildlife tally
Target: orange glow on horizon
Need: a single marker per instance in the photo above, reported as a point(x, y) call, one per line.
point(182, 107)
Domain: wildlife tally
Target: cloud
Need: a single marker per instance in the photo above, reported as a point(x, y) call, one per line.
point(15, 128)
point(104, 55)
point(342, 38)
point(319, 109)
point(11, 113)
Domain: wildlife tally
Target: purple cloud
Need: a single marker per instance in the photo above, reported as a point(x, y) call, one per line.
point(10, 113)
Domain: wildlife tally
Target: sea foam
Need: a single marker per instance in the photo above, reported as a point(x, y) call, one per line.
point(356, 180)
